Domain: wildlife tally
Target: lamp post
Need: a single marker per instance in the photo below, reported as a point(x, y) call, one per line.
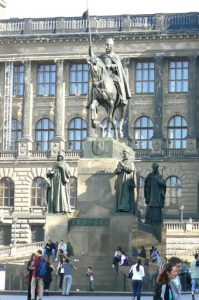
point(182, 212)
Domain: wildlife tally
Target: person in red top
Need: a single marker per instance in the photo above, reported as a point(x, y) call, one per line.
point(35, 279)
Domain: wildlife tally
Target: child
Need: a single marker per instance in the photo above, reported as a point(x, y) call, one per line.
point(90, 276)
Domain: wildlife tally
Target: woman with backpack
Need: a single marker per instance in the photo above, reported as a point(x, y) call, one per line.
point(138, 274)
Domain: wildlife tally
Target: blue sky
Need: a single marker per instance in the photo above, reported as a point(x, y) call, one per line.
point(65, 8)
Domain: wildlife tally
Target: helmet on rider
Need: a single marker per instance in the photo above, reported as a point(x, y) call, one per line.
point(110, 41)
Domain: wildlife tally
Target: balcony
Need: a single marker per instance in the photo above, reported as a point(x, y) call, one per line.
point(130, 23)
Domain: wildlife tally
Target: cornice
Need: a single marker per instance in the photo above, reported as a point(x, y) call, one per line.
point(97, 37)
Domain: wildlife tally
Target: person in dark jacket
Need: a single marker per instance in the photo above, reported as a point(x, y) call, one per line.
point(29, 273)
point(48, 277)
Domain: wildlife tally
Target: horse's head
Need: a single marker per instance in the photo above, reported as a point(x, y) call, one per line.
point(98, 70)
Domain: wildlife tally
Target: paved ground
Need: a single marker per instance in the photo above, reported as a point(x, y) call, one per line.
point(23, 297)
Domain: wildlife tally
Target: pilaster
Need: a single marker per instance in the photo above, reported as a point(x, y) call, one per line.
point(192, 107)
point(158, 106)
point(25, 143)
point(58, 143)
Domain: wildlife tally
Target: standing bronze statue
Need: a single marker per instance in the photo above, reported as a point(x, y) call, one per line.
point(58, 194)
point(154, 194)
point(125, 184)
point(109, 89)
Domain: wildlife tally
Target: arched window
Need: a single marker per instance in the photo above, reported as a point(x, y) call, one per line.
point(73, 191)
point(140, 184)
point(77, 133)
point(177, 133)
point(143, 133)
point(104, 131)
point(16, 134)
point(174, 190)
point(6, 192)
point(44, 134)
point(39, 192)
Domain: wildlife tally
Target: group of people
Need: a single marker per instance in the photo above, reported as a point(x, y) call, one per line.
point(39, 273)
point(167, 285)
point(40, 269)
point(119, 259)
point(52, 250)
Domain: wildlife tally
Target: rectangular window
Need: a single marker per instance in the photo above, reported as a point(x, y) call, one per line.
point(145, 82)
point(18, 80)
point(46, 80)
point(178, 76)
point(78, 79)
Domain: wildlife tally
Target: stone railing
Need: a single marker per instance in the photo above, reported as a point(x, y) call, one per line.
point(142, 152)
point(174, 152)
point(39, 154)
point(175, 226)
point(8, 154)
point(20, 251)
point(158, 22)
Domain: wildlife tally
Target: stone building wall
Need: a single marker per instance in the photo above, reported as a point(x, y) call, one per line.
point(31, 46)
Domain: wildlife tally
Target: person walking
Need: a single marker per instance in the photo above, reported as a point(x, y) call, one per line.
point(36, 277)
point(165, 290)
point(67, 281)
point(138, 274)
point(194, 269)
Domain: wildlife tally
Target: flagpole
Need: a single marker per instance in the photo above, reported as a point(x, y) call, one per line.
point(89, 27)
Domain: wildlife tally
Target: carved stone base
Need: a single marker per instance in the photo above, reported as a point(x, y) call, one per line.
point(105, 148)
point(24, 148)
point(57, 146)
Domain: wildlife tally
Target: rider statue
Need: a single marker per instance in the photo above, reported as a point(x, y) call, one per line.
point(110, 88)
point(116, 71)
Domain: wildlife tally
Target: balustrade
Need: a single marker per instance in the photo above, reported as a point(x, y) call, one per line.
point(158, 22)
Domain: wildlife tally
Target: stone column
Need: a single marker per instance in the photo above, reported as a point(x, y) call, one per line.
point(192, 106)
point(158, 106)
point(58, 143)
point(25, 144)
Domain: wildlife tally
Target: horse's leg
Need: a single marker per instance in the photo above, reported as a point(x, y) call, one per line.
point(93, 107)
point(121, 123)
point(110, 118)
point(114, 124)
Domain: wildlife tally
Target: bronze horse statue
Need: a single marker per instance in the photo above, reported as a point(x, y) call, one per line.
point(104, 93)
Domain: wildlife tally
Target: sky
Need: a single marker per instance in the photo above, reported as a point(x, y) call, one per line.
point(74, 8)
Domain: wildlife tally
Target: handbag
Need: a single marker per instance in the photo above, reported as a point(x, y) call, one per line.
point(130, 274)
point(27, 279)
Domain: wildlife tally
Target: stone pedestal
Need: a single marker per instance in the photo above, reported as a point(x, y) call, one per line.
point(96, 193)
point(56, 227)
point(105, 148)
point(120, 230)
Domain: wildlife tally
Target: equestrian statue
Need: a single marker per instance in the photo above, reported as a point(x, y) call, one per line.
point(109, 89)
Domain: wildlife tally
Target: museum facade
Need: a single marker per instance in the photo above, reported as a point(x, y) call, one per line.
point(44, 91)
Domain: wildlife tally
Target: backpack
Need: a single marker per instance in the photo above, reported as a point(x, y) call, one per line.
point(42, 268)
point(126, 261)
